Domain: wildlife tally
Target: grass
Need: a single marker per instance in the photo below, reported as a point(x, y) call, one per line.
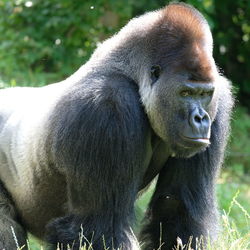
point(234, 198)
point(229, 239)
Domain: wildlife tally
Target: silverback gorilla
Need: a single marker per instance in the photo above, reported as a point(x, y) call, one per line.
point(75, 154)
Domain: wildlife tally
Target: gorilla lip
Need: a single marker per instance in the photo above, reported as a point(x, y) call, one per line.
point(197, 139)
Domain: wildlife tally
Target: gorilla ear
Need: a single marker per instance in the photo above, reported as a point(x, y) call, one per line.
point(155, 73)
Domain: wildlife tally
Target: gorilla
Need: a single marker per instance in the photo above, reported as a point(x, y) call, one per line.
point(75, 154)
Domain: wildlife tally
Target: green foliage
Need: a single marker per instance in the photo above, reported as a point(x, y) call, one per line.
point(233, 42)
point(44, 41)
point(238, 154)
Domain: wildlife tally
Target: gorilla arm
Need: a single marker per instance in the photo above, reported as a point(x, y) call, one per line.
point(183, 204)
point(101, 152)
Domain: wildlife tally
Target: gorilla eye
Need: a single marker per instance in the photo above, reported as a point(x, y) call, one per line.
point(206, 93)
point(186, 93)
point(155, 73)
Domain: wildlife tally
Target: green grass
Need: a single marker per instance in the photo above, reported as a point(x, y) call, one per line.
point(234, 198)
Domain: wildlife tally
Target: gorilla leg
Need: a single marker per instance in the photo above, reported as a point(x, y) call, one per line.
point(12, 235)
point(182, 206)
point(93, 221)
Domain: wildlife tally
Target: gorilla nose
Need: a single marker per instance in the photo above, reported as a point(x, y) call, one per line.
point(200, 122)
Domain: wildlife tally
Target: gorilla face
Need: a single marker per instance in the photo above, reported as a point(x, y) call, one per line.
point(184, 112)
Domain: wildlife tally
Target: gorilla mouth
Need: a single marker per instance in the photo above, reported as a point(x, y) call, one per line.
point(186, 147)
point(197, 140)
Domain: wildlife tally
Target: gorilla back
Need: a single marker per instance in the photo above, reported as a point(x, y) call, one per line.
point(74, 155)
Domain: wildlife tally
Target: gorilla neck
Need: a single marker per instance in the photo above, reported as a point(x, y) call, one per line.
point(160, 154)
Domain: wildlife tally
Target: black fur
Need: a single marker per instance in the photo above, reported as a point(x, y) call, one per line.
point(103, 157)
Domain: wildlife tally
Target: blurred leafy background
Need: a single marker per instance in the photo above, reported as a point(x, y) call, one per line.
point(44, 41)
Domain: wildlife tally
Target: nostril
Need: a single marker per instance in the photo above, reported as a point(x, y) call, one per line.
point(205, 118)
point(198, 119)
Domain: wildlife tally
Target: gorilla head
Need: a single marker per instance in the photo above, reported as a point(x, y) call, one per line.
point(177, 76)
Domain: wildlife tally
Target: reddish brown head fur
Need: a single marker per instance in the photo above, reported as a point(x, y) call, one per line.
point(184, 35)
point(185, 19)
